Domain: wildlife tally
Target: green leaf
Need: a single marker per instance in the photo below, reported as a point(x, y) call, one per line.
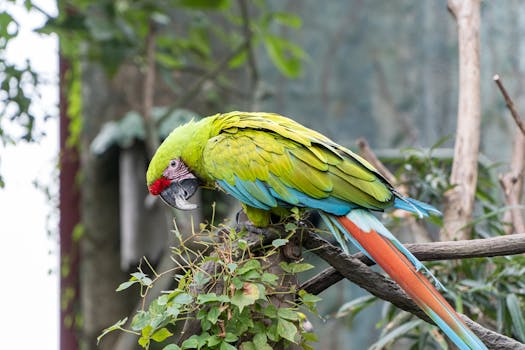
point(260, 341)
point(144, 341)
point(171, 347)
point(248, 266)
point(238, 59)
point(289, 19)
point(290, 227)
point(354, 306)
point(191, 343)
point(125, 285)
point(213, 340)
point(183, 299)
point(294, 267)
point(395, 333)
point(247, 296)
point(270, 311)
point(213, 314)
point(311, 337)
point(140, 320)
point(231, 267)
point(212, 297)
point(288, 313)
point(226, 346)
point(286, 329)
point(285, 55)
point(269, 278)
point(230, 337)
point(308, 298)
point(201, 279)
point(279, 242)
point(248, 345)
point(161, 335)
point(518, 323)
point(163, 299)
point(173, 310)
point(272, 333)
point(116, 326)
point(142, 278)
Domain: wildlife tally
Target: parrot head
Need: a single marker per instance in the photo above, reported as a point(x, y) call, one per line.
point(176, 185)
point(169, 174)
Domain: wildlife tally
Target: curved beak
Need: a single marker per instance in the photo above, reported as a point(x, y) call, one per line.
point(178, 193)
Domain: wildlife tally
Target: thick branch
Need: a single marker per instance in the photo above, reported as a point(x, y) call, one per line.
point(475, 248)
point(356, 271)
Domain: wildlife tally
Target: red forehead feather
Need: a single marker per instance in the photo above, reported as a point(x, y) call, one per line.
point(158, 185)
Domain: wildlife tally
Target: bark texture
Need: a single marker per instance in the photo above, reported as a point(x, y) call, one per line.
point(460, 199)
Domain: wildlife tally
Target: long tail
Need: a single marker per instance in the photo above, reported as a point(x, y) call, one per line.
point(373, 238)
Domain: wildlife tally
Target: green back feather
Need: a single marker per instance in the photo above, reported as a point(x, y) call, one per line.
point(276, 150)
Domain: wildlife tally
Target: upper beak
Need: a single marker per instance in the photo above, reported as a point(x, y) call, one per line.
point(178, 193)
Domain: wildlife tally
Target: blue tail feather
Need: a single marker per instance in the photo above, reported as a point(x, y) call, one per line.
point(414, 206)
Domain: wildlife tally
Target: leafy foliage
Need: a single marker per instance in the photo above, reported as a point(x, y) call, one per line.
point(117, 30)
point(230, 293)
point(19, 89)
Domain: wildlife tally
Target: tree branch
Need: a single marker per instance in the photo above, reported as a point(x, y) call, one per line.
point(356, 271)
point(510, 104)
point(512, 181)
point(475, 248)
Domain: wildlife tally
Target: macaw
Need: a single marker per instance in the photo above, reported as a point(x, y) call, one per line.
point(271, 164)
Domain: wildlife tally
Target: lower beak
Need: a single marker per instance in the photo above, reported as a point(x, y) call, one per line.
point(178, 193)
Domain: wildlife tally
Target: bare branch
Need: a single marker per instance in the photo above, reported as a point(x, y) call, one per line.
point(510, 104)
point(512, 181)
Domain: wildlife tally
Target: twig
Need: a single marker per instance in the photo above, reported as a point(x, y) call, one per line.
point(510, 104)
point(475, 248)
point(356, 271)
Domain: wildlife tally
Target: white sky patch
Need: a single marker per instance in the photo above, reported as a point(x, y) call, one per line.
point(29, 291)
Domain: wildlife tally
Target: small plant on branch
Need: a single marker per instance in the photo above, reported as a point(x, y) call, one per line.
point(234, 295)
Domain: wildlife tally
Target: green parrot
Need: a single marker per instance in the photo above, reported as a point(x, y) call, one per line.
point(271, 164)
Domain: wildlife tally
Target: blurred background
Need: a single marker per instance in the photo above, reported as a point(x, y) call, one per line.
point(129, 71)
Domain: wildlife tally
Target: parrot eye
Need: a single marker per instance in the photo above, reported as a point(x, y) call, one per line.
point(173, 163)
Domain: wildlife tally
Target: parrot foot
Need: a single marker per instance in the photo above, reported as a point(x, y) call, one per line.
point(243, 222)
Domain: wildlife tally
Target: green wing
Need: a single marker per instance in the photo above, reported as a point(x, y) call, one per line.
point(266, 160)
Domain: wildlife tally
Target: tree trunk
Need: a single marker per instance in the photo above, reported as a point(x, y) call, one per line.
point(460, 199)
point(69, 219)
